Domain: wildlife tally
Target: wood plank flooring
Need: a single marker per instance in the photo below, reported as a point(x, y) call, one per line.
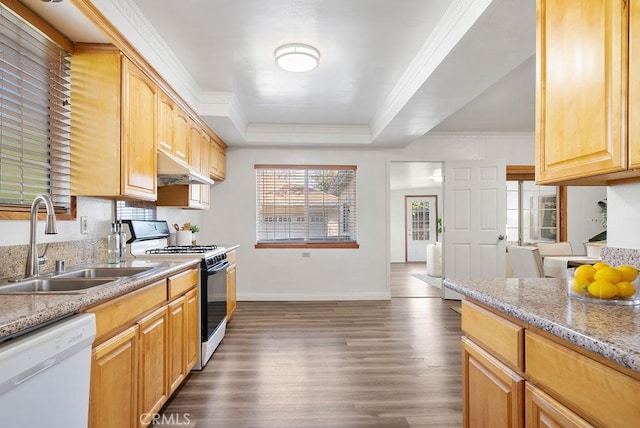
point(393, 363)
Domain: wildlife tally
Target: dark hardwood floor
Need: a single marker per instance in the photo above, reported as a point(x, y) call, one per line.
point(393, 363)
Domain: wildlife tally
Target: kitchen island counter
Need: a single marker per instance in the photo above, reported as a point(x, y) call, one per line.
point(20, 313)
point(610, 331)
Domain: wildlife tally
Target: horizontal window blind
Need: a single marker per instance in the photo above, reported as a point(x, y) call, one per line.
point(306, 204)
point(34, 116)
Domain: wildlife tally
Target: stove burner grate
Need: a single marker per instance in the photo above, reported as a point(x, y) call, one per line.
point(182, 249)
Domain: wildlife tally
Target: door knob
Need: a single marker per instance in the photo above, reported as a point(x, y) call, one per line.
point(500, 237)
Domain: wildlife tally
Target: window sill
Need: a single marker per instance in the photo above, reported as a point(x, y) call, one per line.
point(335, 245)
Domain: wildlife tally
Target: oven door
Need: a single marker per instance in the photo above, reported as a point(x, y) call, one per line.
point(214, 298)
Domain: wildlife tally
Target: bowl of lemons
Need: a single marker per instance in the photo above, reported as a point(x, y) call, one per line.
point(600, 282)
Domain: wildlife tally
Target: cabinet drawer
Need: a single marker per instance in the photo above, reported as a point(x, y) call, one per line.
point(125, 309)
point(180, 283)
point(231, 257)
point(599, 393)
point(501, 337)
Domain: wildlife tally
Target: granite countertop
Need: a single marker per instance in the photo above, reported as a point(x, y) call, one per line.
point(22, 312)
point(611, 331)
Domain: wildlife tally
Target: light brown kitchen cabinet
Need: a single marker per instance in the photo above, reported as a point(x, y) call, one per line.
point(188, 196)
point(217, 161)
point(146, 342)
point(561, 385)
point(177, 328)
point(232, 302)
point(152, 379)
point(173, 128)
point(113, 126)
point(192, 327)
point(493, 394)
point(114, 381)
point(582, 95)
point(544, 411)
point(634, 84)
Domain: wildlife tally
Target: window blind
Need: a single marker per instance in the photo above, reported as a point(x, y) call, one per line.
point(306, 204)
point(34, 116)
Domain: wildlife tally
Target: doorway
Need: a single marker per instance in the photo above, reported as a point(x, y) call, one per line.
point(421, 213)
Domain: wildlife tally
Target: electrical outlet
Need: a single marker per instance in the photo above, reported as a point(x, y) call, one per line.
point(306, 254)
point(84, 225)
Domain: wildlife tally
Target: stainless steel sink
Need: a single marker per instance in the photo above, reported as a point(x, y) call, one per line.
point(104, 272)
point(54, 285)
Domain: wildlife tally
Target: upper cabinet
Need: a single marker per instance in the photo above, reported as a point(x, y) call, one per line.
point(585, 53)
point(113, 126)
point(173, 128)
point(217, 161)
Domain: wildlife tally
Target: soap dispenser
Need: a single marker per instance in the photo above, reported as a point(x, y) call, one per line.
point(113, 245)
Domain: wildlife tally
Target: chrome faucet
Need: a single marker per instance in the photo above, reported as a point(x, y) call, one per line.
point(32, 268)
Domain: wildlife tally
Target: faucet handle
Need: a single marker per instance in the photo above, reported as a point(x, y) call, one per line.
point(42, 259)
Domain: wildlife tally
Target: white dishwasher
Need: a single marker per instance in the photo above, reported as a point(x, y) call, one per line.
point(44, 375)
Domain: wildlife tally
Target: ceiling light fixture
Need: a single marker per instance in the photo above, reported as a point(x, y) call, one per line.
point(297, 57)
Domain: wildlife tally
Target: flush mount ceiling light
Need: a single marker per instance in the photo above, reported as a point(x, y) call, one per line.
point(297, 57)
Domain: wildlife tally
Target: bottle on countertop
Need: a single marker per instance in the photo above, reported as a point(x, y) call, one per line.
point(113, 245)
point(123, 242)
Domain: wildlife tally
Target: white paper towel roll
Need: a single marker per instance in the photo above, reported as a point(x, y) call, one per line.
point(434, 259)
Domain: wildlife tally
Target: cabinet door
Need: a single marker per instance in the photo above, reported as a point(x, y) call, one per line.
point(181, 135)
point(634, 84)
point(166, 120)
point(205, 154)
point(114, 373)
point(139, 137)
point(195, 142)
point(153, 384)
point(581, 89)
point(544, 411)
point(177, 342)
point(192, 328)
point(231, 291)
point(493, 394)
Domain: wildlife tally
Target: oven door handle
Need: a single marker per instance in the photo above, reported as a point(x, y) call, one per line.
point(217, 268)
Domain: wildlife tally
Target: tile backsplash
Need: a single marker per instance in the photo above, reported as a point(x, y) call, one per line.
point(14, 257)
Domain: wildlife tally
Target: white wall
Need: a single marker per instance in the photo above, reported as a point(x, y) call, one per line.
point(584, 218)
point(283, 274)
point(397, 220)
point(623, 210)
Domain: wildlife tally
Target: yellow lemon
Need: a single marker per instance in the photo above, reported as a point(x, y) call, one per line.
point(585, 272)
point(600, 265)
point(608, 274)
point(626, 289)
point(602, 289)
point(629, 273)
point(579, 285)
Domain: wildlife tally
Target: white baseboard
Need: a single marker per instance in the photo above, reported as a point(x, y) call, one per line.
point(268, 297)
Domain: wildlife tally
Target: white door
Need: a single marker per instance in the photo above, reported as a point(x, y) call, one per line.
point(474, 220)
point(421, 215)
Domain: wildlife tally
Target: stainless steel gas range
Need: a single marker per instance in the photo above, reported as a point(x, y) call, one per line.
point(148, 240)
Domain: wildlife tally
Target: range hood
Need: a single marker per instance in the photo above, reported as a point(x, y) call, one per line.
point(175, 171)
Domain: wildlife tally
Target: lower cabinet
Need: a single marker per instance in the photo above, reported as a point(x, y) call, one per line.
point(231, 284)
point(544, 411)
point(493, 394)
point(152, 388)
point(555, 384)
point(114, 371)
point(192, 300)
point(145, 347)
point(177, 330)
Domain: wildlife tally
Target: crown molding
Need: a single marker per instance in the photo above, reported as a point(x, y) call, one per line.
point(457, 20)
